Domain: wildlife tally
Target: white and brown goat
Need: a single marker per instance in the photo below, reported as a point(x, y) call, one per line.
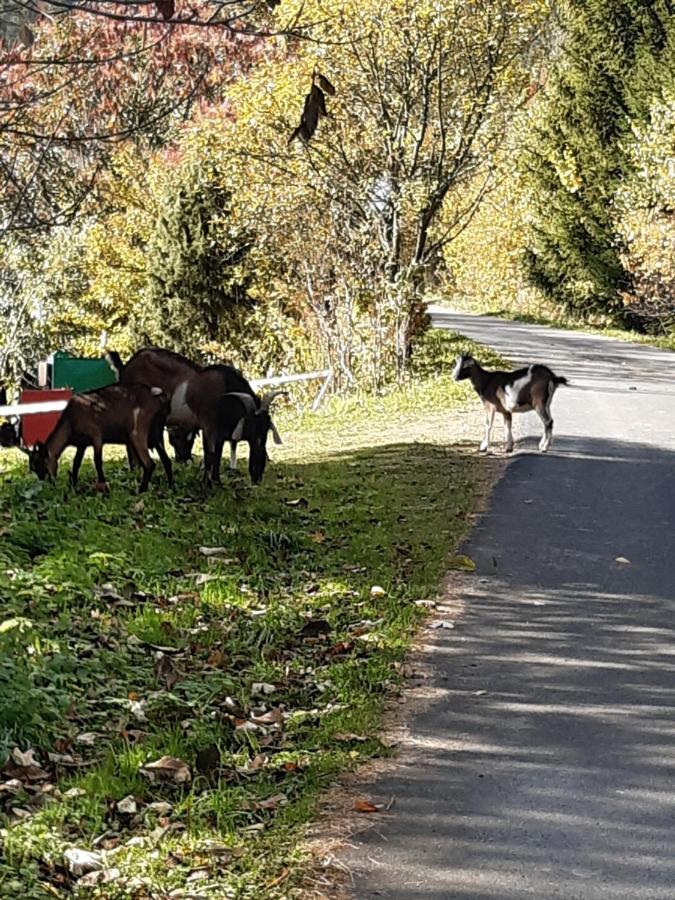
point(129, 414)
point(531, 388)
point(215, 399)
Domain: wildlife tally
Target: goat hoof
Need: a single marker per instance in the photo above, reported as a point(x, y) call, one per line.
point(509, 448)
point(102, 487)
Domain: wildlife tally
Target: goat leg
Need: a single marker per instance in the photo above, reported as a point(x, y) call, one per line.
point(77, 462)
point(165, 460)
point(508, 433)
point(140, 449)
point(489, 419)
point(101, 484)
point(215, 461)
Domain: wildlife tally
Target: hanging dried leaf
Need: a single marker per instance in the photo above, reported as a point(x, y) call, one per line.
point(326, 85)
point(315, 106)
point(166, 8)
point(26, 36)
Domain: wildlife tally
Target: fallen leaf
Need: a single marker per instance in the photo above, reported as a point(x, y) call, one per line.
point(207, 759)
point(20, 814)
point(166, 671)
point(299, 501)
point(161, 807)
point(377, 591)
point(318, 537)
point(255, 765)
point(25, 758)
point(349, 736)
point(216, 658)
point(168, 768)
point(88, 738)
point(365, 806)
point(213, 551)
point(13, 786)
point(281, 877)
point(313, 628)
point(74, 792)
point(200, 874)
point(622, 560)
point(462, 563)
point(128, 806)
point(262, 687)
point(79, 862)
point(94, 879)
point(271, 717)
point(272, 803)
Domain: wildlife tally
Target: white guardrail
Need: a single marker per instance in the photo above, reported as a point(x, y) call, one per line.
point(44, 406)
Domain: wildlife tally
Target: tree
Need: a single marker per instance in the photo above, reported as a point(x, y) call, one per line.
point(352, 216)
point(86, 85)
point(577, 158)
point(195, 254)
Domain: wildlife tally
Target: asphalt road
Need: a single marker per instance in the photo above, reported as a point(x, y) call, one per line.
point(544, 764)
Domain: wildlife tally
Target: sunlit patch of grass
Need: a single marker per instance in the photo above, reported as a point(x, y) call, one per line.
point(127, 633)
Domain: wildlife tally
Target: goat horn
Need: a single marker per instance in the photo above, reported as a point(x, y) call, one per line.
point(246, 399)
point(266, 399)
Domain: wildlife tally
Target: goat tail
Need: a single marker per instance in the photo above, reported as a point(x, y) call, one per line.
point(559, 379)
point(115, 362)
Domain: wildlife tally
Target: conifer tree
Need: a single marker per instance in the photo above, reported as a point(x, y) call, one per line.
point(194, 262)
point(577, 157)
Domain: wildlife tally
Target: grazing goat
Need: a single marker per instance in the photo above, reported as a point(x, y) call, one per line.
point(131, 414)
point(509, 392)
point(215, 399)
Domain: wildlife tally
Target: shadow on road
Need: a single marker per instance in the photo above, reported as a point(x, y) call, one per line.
point(544, 766)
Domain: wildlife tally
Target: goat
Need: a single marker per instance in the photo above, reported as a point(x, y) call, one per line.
point(215, 399)
point(131, 414)
point(526, 389)
point(181, 439)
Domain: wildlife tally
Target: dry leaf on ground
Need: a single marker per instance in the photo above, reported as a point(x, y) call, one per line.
point(168, 768)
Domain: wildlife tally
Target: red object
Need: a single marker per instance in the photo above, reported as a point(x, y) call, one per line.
point(38, 426)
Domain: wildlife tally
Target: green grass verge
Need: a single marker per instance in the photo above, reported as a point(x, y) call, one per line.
point(262, 667)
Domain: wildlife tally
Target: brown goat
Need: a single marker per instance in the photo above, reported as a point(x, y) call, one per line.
point(523, 390)
point(130, 414)
point(216, 399)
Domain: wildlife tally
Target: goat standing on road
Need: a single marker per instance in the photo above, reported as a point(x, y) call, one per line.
point(131, 414)
point(526, 389)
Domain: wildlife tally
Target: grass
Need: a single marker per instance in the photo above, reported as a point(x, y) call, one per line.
point(261, 667)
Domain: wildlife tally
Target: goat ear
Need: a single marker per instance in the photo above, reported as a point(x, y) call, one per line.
point(238, 432)
point(275, 434)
